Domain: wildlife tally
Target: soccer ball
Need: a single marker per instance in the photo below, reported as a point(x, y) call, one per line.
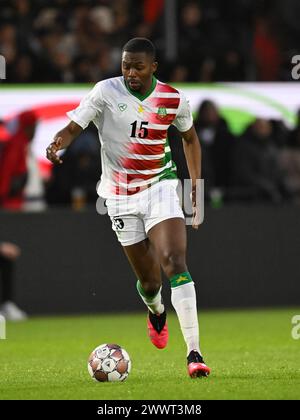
point(109, 363)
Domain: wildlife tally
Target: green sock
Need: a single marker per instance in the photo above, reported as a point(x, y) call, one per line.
point(183, 298)
point(180, 279)
point(153, 301)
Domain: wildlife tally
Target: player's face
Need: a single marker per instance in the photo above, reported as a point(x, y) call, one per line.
point(137, 69)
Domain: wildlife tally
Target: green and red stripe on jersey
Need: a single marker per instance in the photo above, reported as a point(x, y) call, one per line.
point(134, 170)
point(146, 149)
point(142, 164)
point(163, 87)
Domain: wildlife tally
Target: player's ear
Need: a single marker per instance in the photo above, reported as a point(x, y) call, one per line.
point(154, 66)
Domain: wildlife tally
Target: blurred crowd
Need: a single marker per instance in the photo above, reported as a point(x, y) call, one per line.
point(261, 164)
point(81, 40)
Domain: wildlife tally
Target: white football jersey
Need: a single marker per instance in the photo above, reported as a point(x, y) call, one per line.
point(132, 131)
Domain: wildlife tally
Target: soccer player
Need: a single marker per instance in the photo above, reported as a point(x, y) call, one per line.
point(138, 181)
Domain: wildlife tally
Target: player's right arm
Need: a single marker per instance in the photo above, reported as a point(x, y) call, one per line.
point(62, 140)
point(90, 107)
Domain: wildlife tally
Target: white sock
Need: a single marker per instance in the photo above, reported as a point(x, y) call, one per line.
point(153, 303)
point(184, 301)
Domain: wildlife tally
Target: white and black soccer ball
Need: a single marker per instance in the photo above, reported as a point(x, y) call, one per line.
point(109, 363)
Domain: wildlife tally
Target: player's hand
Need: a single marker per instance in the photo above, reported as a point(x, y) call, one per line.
point(9, 250)
point(52, 150)
point(196, 218)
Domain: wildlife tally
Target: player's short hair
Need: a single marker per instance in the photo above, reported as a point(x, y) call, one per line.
point(136, 45)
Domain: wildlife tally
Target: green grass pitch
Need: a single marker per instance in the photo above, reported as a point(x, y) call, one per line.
point(251, 353)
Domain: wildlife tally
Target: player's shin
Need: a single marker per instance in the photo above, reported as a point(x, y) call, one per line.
point(153, 302)
point(183, 299)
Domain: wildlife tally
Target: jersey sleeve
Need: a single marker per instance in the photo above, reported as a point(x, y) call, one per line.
point(89, 108)
point(184, 119)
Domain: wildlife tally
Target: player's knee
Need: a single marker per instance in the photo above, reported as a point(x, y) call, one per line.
point(150, 287)
point(173, 262)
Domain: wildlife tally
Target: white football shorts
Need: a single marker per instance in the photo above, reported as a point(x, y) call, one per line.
point(134, 215)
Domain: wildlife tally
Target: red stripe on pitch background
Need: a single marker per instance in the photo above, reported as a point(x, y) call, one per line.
point(4, 134)
point(49, 111)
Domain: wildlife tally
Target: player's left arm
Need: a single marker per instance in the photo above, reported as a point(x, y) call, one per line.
point(192, 152)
